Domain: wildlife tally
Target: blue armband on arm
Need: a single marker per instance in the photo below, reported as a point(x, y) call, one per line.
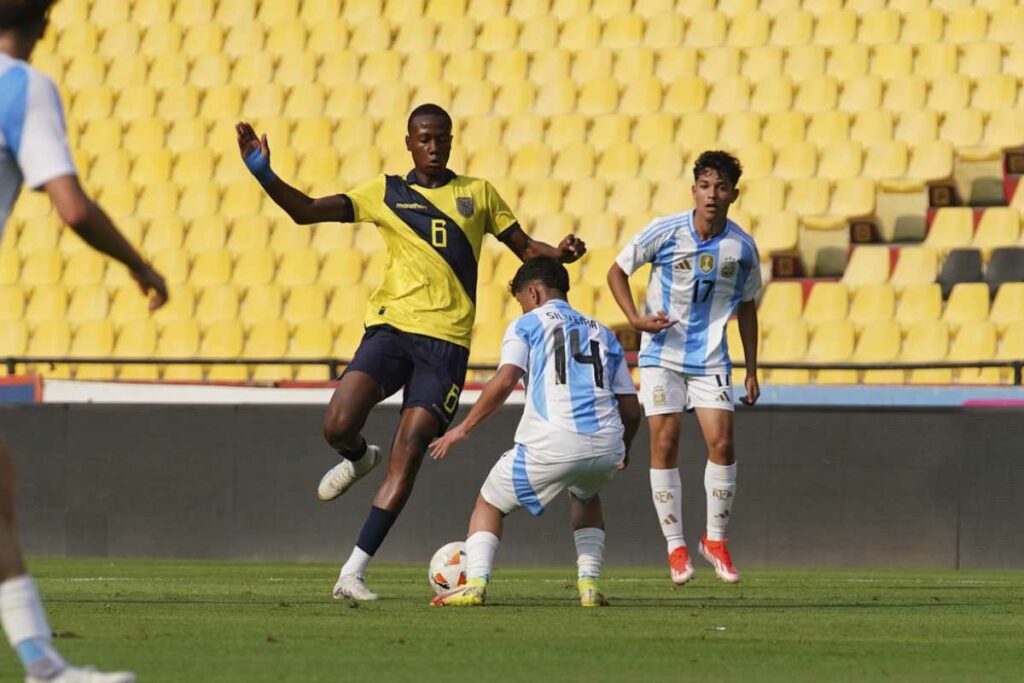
point(259, 165)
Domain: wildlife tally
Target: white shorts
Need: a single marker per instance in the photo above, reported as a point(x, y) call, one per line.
point(665, 391)
point(519, 479)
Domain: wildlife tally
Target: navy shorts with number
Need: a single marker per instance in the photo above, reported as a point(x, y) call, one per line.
point(431, 370)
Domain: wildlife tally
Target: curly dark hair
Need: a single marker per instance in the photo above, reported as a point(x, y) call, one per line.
point(726, 165)
point(24, 14)
point(547, 270)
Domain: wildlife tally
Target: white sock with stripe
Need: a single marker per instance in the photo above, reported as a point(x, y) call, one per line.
point(589, 552)
point(720, 485)
point(481, 548)
point(667, 493)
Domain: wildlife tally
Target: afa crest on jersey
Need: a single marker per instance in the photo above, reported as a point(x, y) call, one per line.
point(707, 263)
point(465, 206)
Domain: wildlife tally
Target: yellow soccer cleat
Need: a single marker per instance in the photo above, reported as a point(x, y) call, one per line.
point(473, 594)
point(590, 593)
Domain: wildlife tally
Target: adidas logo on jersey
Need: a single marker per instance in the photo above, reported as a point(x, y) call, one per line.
point(685, 265)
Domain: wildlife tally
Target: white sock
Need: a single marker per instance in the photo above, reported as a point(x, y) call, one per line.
point(720, 485)
point(24, 621)
point(589, 552)
point(667, 491)
point(357, 563)
point(481, 548)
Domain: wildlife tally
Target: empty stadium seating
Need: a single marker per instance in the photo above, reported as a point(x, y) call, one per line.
point(586, 115)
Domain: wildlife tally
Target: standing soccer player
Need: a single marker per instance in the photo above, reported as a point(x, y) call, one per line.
point(580, 418)
point(34, 152)
point(703, 267)
point(418, 321)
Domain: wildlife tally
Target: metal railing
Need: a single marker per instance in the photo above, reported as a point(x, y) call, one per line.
point(334, 365)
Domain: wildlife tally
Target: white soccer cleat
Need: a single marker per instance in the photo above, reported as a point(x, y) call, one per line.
point(74, 674)
point(352, 587)
point(341, 477)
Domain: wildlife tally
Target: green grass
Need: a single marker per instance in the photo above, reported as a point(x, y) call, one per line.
point(205, 621)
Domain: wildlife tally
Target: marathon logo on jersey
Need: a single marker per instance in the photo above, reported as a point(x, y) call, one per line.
point(707, 263)
point(729, 266)
point(411, 205)
point(465, 206)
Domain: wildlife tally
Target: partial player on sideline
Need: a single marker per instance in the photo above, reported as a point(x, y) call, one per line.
point(580, 418)
point(418, 321)
point(34, 152)
point(704, 267)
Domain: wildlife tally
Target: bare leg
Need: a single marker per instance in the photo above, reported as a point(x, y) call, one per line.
point(717, 428)
point(486, 517)
point(586, 515)
point(417, 428)
point(356, 394)
point(665, 440)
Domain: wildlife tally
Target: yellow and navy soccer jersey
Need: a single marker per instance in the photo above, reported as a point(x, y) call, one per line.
point(433, 238)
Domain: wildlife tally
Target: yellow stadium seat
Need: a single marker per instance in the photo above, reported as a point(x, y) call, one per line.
point(207, 233)
point(841, 160)
point(311, 340)
point(706, 28)
point(540, 197)
point(929, 161)
point(305, 303)
point(179, 340)
point(166, 232)
point(499, 33)
point(241, 198)
point(952, 227)
point(966, 25)
point(286, 37)
point(1008, 306)
point(685, 95)
point(286, 236)
point(765, 61)
point(748, 29)
point(892, 60)
point(316, 11)
point(808, 196)
point(78, 38)
point(867, 265)
point(38, 235)
point(305, 99)
point(720, 63)
point(871, 128)
point(782, 303)
point(872, 303)
point(981, 60)
point(42, 267)
point(927, 342)
point(828, 302)
point(468, 69)
point(664, 162)
point(50, 339)
point(786, 343)
point(184, 134)
point(863, 93)
point(922, 27)
point(136, 340)
point(994, 92)
point(776, 232)
point(531, 162)
point(161, 39)
point(86, 70)
point(798, 160)
point(916, 126)
point(1011, 348)
point(243, 38)
point(46, 302)
point(153, 167)
point(630, 196)
point(886, 160)
point(636, 63)
point(729, 95)
point(66, 14)
point(1007, 25)
point(268, 340)
point(10, 266)
point(835, 27)
point(237, 11)
point(203, 38)
point(128, 305)
point(975, 341)
point(919, 302)
point(804, 62)
point(329, 38)
point(271, 13)
point(828, 128)
point(619, 163)
point(905, 93)
point(224, 340)
point(371, 34)
point(216, 304)
point(784, 128)
point(611, 130)
point(12, 303)
point(92, 103)
point(298, 267)
point(914, 265)
point(296, 68)
point(968, 304)
point(85, 267)
point(348, 305)
point(817, 94)
point(254, 267)
point(761, 196)
point(597, 230)
point(879, 27)
point(261, 303)
point(951, 91)
point(382, 66)
point(879, 342)
point(935, 59)
point(101, 135)
point(585, 195)
point(93, 340)
point(211, 268)
point(652, 131)
point(832, 342)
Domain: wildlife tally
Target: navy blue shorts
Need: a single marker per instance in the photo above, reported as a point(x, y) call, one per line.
point(431, 370)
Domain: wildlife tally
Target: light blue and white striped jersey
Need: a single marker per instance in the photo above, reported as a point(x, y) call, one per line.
point(699, 284)
point(33, 141)
point(574, 368)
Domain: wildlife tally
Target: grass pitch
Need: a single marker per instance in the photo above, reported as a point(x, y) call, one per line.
point(204, 621)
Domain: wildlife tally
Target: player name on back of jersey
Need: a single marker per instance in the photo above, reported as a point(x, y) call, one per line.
point(576, 318)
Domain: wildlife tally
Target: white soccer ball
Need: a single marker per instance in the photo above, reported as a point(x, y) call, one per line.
point(448, 567)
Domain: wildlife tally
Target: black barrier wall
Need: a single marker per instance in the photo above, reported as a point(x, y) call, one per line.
point(816, 487)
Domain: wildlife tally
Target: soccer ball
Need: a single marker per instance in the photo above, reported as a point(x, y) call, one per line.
point(448, 567)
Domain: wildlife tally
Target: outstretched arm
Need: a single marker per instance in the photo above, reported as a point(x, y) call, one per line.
point(746, 316)
point(93, 225)
point(570, 249)
point(300, 207)
point(491, 398)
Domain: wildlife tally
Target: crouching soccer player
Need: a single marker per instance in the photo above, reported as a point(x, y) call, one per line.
point(580, 418)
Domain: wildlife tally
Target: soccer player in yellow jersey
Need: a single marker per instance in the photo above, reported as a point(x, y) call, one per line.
point(418, 321)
